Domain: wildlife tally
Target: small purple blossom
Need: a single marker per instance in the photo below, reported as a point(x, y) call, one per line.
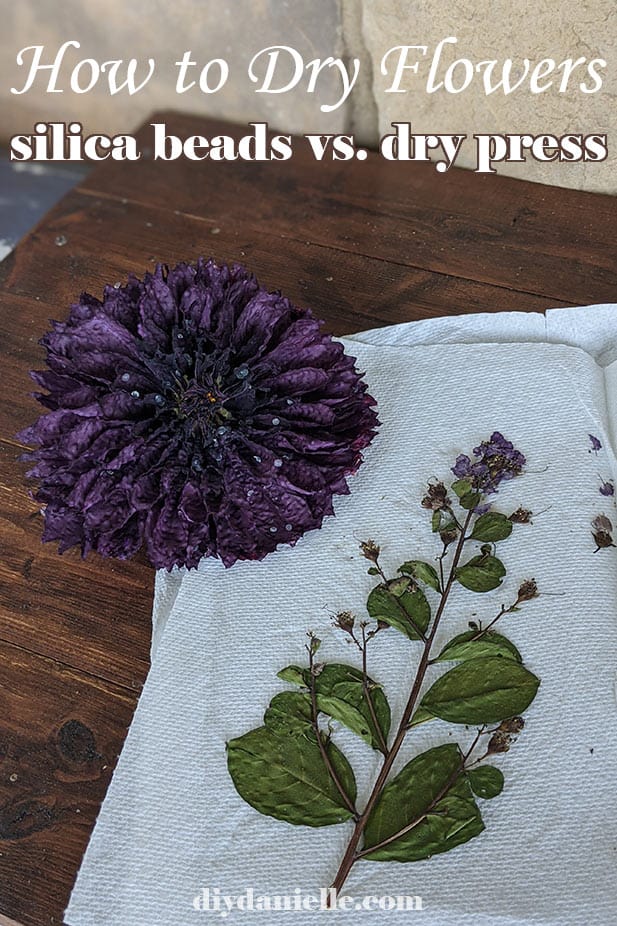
point(607, 487)
point(196, 414)
point(595, 444)
point(482, 509)
point(496, 461)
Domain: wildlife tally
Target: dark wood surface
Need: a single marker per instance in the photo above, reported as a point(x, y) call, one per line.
point(364, 244)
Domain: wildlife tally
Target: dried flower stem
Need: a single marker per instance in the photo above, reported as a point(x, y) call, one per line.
point(352, 854)
point(520, 599)
point(369, 698)
point(324, 752)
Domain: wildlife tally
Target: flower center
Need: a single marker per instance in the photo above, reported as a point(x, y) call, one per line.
point(204, 405)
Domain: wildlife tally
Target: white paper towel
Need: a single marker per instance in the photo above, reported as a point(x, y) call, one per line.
point(172, 822)
point(592, 328)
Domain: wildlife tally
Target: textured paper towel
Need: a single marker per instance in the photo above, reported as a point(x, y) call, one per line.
point(593, 328)
point(172, 822)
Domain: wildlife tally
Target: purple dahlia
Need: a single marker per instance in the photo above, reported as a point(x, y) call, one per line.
point(196, 414)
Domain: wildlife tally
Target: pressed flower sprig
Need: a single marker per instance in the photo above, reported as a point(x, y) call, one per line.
point(291, 769)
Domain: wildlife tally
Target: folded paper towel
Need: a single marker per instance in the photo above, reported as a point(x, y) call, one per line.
point(172, 823)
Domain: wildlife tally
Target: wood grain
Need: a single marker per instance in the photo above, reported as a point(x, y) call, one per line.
point(92, 614)
point(349, 290)
point(490, 229)
point(364, 244)
point(61, 735)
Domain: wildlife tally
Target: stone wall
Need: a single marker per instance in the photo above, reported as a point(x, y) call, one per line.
point(501, 29)
point(142, 29)
point(235, 30)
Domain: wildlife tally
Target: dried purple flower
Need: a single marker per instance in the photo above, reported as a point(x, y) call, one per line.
point(607, 487)
point(194, 413)
point(596, 444)
point(483, 508)
point(496, 460)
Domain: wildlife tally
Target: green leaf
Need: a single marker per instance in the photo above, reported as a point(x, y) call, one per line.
point(293, 674)
point(423, 572)
point(342, 769)
point(482, 690)
point(339, 693)
point(289, 714)
point(451, 819)
point(486, 781)
point(398, 601)
point(470, 500)
point(492, 527)
point(420, 716)
point(286, 778)
point(443, 521)
point(461, 487)
point(482, 573)
point(466, 646)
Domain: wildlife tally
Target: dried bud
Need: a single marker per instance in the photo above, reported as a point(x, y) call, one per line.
point(449, 535)
point(436, 497)
point(314, 643)
point(607, 488)
point(317, 669)
point(345, 620)
point(603, 540)
point(382, 625)
point(370, 550)
point(501, 740)
point(528, 590)
point(602, 532)
point(521, 516)
point(514, 725)
point(602, 523)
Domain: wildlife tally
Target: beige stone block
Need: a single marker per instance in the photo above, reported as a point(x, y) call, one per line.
point(500, 29)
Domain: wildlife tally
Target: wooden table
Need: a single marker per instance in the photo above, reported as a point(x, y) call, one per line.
point(365, 244)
